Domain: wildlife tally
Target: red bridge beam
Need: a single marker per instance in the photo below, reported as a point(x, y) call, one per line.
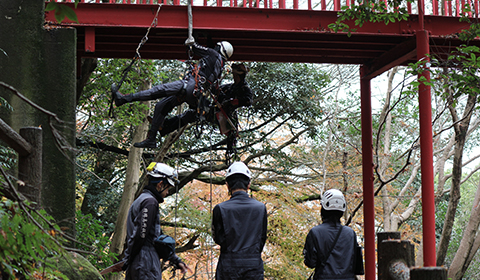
point(246, 19)
point(448, 10)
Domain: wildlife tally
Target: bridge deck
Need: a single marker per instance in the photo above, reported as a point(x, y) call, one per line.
point(273, 35)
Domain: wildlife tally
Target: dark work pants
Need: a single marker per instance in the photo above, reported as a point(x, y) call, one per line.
point(172, 94)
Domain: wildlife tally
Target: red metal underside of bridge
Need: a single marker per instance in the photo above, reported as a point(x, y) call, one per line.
point(271, 35)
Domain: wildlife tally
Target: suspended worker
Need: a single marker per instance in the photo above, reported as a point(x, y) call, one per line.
point(330, 248)
point(141, 260)
point(239, 226)
point(199, 79)
point(229, 97)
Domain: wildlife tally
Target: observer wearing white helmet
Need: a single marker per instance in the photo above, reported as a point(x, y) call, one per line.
point(330, 248)
point(239, 226)
point(141, 260)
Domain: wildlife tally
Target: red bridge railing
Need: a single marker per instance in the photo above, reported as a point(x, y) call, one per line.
point(452, 8)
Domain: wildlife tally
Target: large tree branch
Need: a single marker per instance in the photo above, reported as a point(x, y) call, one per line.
point(460, 137)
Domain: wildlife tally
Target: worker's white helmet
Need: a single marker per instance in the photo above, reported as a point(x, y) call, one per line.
point(226, 49)
point(161, 170)
point(239, 167)
point(333, 199)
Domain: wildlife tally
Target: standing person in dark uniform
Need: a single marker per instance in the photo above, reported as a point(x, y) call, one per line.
point(239, 226)
point(330, 248)
point(141, 260)
point(189, 90)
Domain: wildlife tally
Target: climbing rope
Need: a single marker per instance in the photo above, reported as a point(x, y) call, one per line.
point(136, 57)
point(211, 201)
point(190, 56)
point(190, 20)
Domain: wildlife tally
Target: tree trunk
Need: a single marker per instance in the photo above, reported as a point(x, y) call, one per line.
point(461, 128)
point(130, 187)
point(386, 120)
point(473, 251)
point(459, 264)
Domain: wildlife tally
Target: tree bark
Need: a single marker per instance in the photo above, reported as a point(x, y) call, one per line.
point(460, 128)
point(459, 264)
point(386, 120)
point(30, 167)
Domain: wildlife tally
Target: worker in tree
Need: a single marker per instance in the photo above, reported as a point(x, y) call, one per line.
point(229, 97)
point(141, 260)
point(204, 76)
point(239, 226)
point(330, 248)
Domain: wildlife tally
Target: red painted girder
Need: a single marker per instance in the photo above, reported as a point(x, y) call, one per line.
point(248, 19)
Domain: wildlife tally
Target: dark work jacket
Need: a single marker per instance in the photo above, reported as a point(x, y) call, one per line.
point(239, 92)
point(239, 226)
point(340, 263)
point(143, 225)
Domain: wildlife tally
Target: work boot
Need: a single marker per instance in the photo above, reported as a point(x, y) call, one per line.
point(119, 98)
point(150, 142)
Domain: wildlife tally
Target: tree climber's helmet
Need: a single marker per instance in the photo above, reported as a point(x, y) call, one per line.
point(225, 48)
point(239, 167)
point(161, 170)
point(333, 199)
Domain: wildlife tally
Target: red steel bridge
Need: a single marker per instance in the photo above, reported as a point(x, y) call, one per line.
point(260, 31)
point(291, 31)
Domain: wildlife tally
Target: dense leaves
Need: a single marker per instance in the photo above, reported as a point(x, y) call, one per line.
point(7, 154)
point(62, 11)
point(90, 232)
point(361, 12)
point(25, 246)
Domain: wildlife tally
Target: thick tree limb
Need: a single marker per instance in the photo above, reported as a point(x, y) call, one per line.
point(14, 140)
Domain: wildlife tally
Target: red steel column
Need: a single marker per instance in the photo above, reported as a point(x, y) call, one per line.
point(426, 148)
point(367, 173)
point(89, 39)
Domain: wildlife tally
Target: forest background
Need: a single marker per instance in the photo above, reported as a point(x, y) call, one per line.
point(300, 138)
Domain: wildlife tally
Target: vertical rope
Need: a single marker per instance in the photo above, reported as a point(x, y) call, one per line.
point(190, 20)
point(211, 200)
point(176, 204)
point(177, 164)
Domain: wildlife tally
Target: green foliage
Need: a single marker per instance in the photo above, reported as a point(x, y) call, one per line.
point(288, 95)
point(24, 246)
point(91, 232)
point(462, 217)
point(4, 105)
point(453, 77)
point(62, 11)
point(369, 11)
point(7, 155)
point(463, 76)
point(470, 33)
point(287, 229)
